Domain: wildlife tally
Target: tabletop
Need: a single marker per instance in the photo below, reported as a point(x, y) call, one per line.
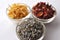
point(7, 28)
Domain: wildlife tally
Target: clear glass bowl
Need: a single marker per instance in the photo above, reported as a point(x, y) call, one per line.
point(17, 28)
point(17, 20)
point(45, 21)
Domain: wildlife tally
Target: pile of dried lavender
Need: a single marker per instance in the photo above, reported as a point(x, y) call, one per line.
point(29, 29)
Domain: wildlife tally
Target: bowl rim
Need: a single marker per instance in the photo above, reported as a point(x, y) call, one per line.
point(29, 10)
point(44, 30)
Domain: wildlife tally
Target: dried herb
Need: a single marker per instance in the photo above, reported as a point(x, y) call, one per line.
point(43, 10)
point(17, 11)
point(30, 30)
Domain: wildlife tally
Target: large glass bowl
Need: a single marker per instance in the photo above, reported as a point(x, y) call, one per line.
point(26, 20)
point(17, 20)
point(45, 21)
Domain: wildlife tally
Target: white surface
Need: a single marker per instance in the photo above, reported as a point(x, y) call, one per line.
point(7, 28)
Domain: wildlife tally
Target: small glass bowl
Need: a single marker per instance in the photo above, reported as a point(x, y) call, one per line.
point(44, 28)
point(17, 20)
point(45, 21)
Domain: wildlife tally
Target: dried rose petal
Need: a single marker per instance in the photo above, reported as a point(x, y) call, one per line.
point(43, 10)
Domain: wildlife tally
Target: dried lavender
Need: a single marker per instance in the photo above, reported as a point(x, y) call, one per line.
point(30, 29)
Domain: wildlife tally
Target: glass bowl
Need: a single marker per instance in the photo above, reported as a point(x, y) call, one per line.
point(17, 20)
point(45, 21)
point(31, 22)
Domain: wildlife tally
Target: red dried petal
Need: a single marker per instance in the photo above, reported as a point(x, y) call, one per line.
point(45, 14)
point(40, 14)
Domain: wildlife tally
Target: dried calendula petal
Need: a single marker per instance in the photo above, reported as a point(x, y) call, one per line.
point(11, 16)
point(17, 11)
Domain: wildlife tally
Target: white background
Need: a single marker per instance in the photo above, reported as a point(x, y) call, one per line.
point(7, 28)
